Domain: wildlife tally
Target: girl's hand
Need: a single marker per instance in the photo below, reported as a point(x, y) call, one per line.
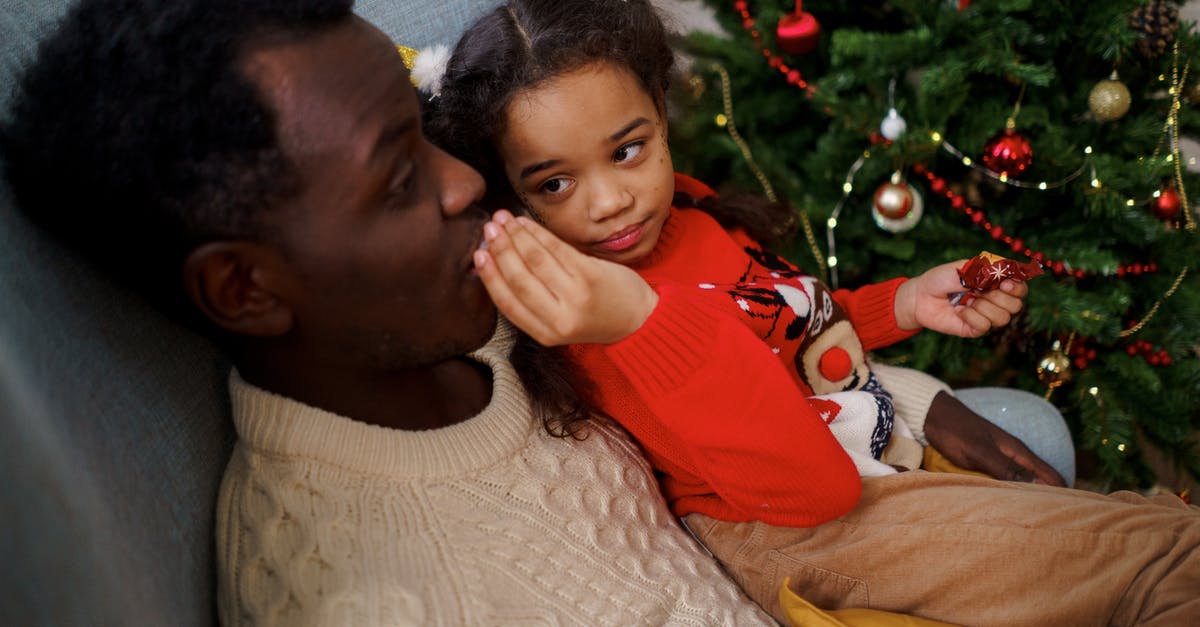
point(924, 301)
point(555, 293)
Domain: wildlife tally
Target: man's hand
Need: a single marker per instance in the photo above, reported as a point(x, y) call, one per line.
point(555, 293)
point(972, 442)
point(924, 301)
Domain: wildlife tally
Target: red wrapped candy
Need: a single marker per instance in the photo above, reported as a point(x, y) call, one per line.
point(986, 271)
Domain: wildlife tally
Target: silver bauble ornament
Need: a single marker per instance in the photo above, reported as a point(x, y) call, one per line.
point(892, 126)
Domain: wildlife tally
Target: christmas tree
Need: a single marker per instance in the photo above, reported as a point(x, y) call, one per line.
point(911, 133)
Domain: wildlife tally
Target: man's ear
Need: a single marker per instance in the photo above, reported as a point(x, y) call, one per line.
point(237, 285)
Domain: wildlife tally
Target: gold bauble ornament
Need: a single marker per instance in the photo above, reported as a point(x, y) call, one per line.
point(1109, 99)
point(1055, 368)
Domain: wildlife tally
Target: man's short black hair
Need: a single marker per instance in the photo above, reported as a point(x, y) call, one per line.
point(135, 136)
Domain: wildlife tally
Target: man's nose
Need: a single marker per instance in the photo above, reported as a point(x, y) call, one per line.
point(460, 186)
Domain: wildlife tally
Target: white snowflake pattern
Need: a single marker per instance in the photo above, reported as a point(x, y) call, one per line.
point(743, 304)
point(998, 272)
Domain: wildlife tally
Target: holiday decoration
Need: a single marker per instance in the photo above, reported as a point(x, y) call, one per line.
point(1083, 209)
point(894, 199)
point(939, 186)
point(792, 75)
point(1156, 23)
point(893, 126)
point(1008, 153)
point(1109, 99)
point(1167, 203)
point(1153, 356)
point(798, 32)
point(1055, 368)
point(896, 206)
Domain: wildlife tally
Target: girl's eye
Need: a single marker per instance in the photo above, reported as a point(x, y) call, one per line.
point(629, 151)
point(555, 186)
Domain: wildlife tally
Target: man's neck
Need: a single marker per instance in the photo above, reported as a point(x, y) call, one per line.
point(447, 393)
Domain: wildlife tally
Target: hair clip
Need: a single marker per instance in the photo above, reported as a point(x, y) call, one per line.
point(427, 67)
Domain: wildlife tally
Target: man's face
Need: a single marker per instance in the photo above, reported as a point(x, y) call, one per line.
point(378, 245)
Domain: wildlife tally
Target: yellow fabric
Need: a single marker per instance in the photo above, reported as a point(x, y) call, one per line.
point(936, 462)
point(801, 613)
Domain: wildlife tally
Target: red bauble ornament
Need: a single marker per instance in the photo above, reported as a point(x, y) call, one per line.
point(894, 200)
point(799, 32)
point(1168, 203)
point(1008, 153)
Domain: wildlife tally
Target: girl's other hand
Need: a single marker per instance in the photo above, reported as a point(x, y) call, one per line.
point(555, 293)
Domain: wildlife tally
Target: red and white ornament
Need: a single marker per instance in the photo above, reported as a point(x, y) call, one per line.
point(896, 206)
point(798, 32)
point(1008, 153)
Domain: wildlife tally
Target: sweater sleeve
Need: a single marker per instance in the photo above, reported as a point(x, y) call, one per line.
point(912, 393)
point(712, 399)
point(873, 313)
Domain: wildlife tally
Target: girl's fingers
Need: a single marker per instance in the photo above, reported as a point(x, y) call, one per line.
point(506, 301)
point(553, 261)
point(519, 281)
point(976, 324)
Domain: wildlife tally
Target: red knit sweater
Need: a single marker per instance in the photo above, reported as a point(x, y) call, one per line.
point(717, 411)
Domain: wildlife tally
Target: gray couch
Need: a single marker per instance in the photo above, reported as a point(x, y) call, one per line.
point(114, 421)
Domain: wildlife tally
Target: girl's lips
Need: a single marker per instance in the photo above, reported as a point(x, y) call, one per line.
point(624, 239)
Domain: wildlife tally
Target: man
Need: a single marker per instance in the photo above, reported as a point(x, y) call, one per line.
point(389, 470)
point(270, 154)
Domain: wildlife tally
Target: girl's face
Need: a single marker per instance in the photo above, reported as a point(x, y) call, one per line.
point(587, 153)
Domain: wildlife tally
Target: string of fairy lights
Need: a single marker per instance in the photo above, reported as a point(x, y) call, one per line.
point(828, 264)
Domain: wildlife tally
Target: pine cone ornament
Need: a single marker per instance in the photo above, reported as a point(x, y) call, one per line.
point(1156, 23)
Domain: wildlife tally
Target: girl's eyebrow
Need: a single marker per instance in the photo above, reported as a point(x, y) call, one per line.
point(542, 165)
point(628, 128)
point(537, 167)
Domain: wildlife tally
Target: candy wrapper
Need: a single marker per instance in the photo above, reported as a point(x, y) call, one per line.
point(986, 271)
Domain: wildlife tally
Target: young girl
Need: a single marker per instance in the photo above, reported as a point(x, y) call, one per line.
point(739, 375)
point(584, 147)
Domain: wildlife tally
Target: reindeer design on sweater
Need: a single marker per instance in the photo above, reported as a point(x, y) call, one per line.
point(797, 316)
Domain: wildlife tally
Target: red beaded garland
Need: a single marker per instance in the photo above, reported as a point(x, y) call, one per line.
point(938, 185)
point(790, 74)
point(1153, 356)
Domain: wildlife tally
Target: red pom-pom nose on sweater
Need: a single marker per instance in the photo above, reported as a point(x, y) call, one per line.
point(835, 364)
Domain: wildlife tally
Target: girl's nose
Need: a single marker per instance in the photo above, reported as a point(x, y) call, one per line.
point(609, 198)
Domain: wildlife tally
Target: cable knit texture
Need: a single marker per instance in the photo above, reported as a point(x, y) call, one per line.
point(323, 520)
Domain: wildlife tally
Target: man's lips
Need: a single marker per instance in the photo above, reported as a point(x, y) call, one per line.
point(624, 239)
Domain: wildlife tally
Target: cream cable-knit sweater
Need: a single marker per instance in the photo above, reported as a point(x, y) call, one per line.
point(323, 520)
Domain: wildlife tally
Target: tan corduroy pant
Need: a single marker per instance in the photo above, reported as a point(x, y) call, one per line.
point(977, 551)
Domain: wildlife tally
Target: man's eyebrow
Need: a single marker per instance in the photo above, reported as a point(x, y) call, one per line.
point(392, 134)
point(627, 129)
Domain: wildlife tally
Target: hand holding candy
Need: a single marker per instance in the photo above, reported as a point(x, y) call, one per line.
point(986, 271)
point(928, 301)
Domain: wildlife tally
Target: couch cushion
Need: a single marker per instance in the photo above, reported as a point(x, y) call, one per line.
point(114, 429)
